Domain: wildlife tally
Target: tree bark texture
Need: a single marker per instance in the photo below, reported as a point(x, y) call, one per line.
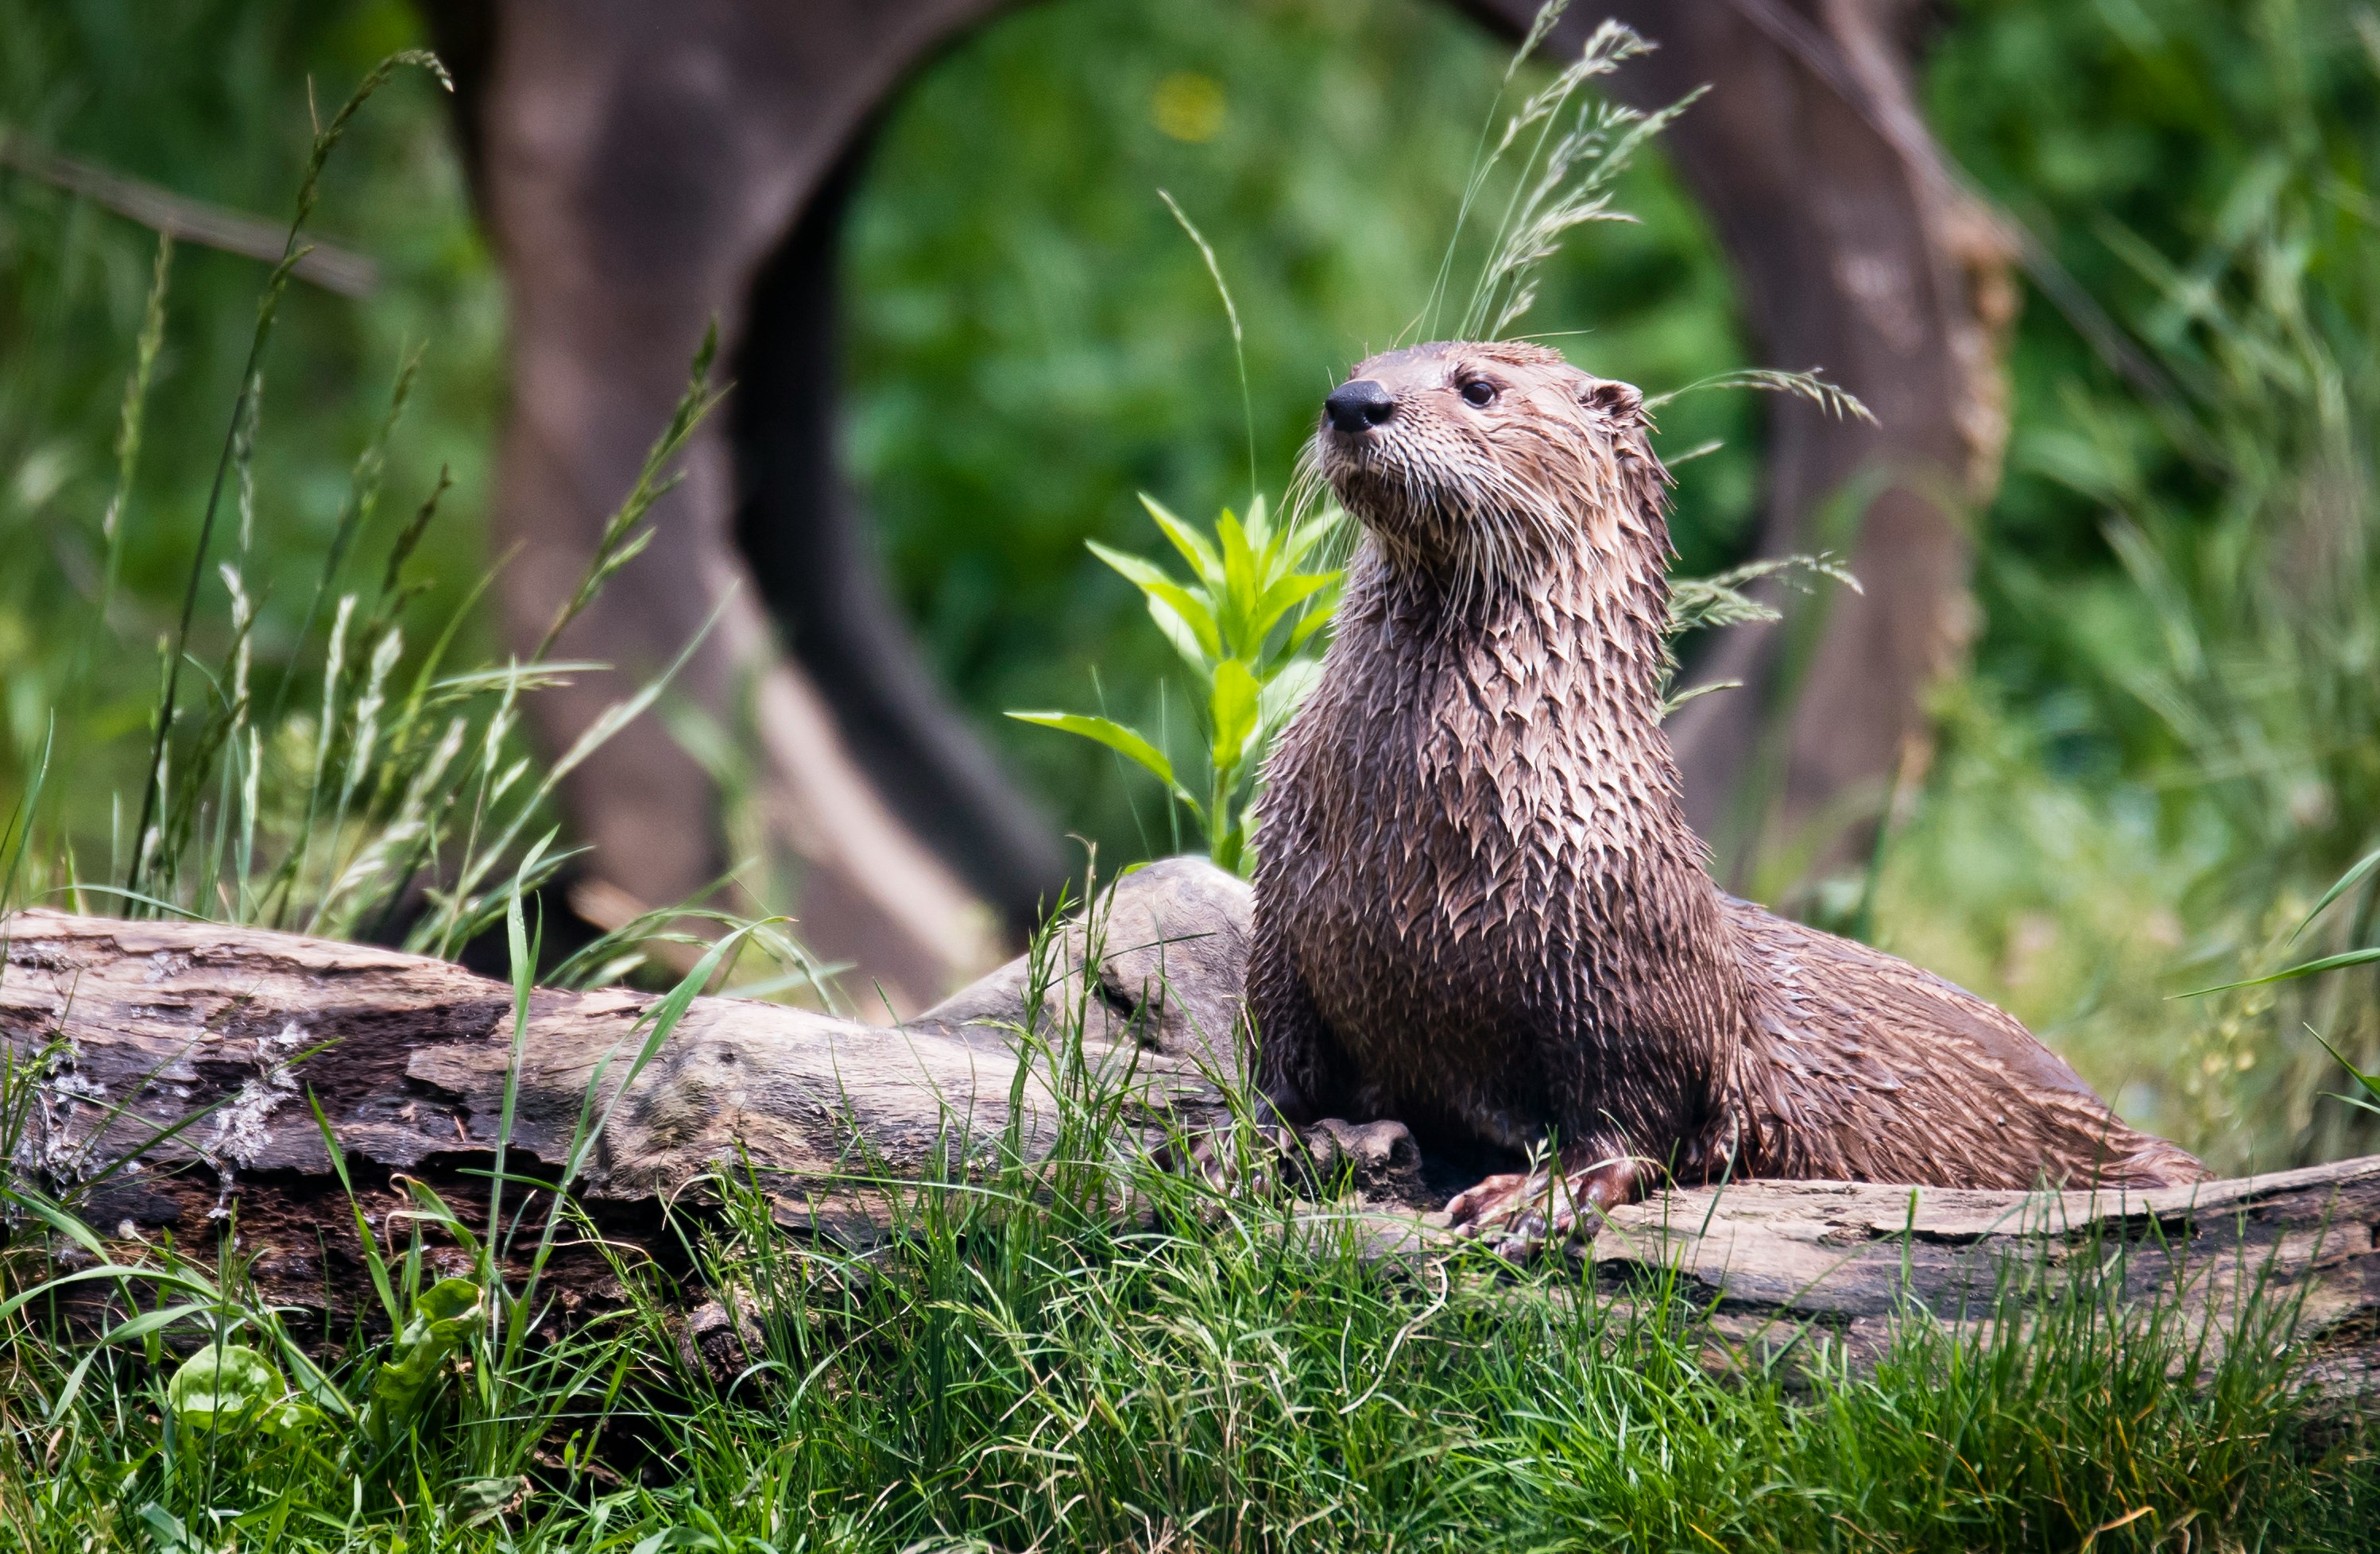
point(642, 171)
point(126, 1031)
point(176, 1067)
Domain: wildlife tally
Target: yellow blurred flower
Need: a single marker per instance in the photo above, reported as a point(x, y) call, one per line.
point(1188, 107)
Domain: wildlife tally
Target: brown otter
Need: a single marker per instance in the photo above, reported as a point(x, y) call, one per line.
point(1479, 909)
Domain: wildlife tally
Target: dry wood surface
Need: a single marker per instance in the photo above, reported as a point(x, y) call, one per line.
point(173, 1069)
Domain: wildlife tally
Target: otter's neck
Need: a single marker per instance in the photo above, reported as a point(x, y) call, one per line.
point(1544, 746)
point(1579, 644)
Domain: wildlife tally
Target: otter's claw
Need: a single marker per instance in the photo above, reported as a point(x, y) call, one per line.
point(1215, 1159)
point(1380, 1159)
point(1519, 1214)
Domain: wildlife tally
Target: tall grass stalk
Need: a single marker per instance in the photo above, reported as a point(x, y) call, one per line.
point(243, 407)
point(130, 421)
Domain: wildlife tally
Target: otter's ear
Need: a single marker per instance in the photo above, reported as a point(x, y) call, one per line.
point(1621, 402)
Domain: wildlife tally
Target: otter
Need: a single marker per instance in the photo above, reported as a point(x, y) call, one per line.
point(1479, 909)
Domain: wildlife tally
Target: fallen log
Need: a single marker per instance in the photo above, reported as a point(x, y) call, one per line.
point(2290, 1258)
point(173, 1073)
point(167, 1075)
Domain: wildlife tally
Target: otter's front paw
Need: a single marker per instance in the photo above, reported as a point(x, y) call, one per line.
point(1513, 1213)
point(1221, 1160)
point(1519, 1214)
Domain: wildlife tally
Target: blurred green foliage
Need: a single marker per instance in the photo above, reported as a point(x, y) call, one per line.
point(2091, 121)
point(1033, 339)
point(210, 100)
point(2171, 744)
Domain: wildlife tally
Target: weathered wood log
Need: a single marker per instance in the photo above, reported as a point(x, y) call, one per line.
point(2290, 1257)
point(175, 1069)
point(170, 1068)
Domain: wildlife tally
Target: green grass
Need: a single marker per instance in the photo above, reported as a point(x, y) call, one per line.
point(1229, 1394)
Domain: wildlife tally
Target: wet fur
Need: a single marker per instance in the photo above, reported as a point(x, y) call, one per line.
point(1479, 909)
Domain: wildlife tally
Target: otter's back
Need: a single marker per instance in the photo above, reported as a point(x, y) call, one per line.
point(1864, 1068)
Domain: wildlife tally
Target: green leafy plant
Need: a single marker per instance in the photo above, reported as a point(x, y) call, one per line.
point(444, 1317)
point(1242, 623)
point(232, 1387)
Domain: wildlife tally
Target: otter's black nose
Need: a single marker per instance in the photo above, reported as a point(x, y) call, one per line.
point(1352, 407)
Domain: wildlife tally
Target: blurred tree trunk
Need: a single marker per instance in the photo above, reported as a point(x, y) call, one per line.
point(638, 170)
point(645, 171)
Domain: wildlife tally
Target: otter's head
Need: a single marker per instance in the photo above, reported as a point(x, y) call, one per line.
point(1487, 464)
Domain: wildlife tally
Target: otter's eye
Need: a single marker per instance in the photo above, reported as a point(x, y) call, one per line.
point(1479, 391)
